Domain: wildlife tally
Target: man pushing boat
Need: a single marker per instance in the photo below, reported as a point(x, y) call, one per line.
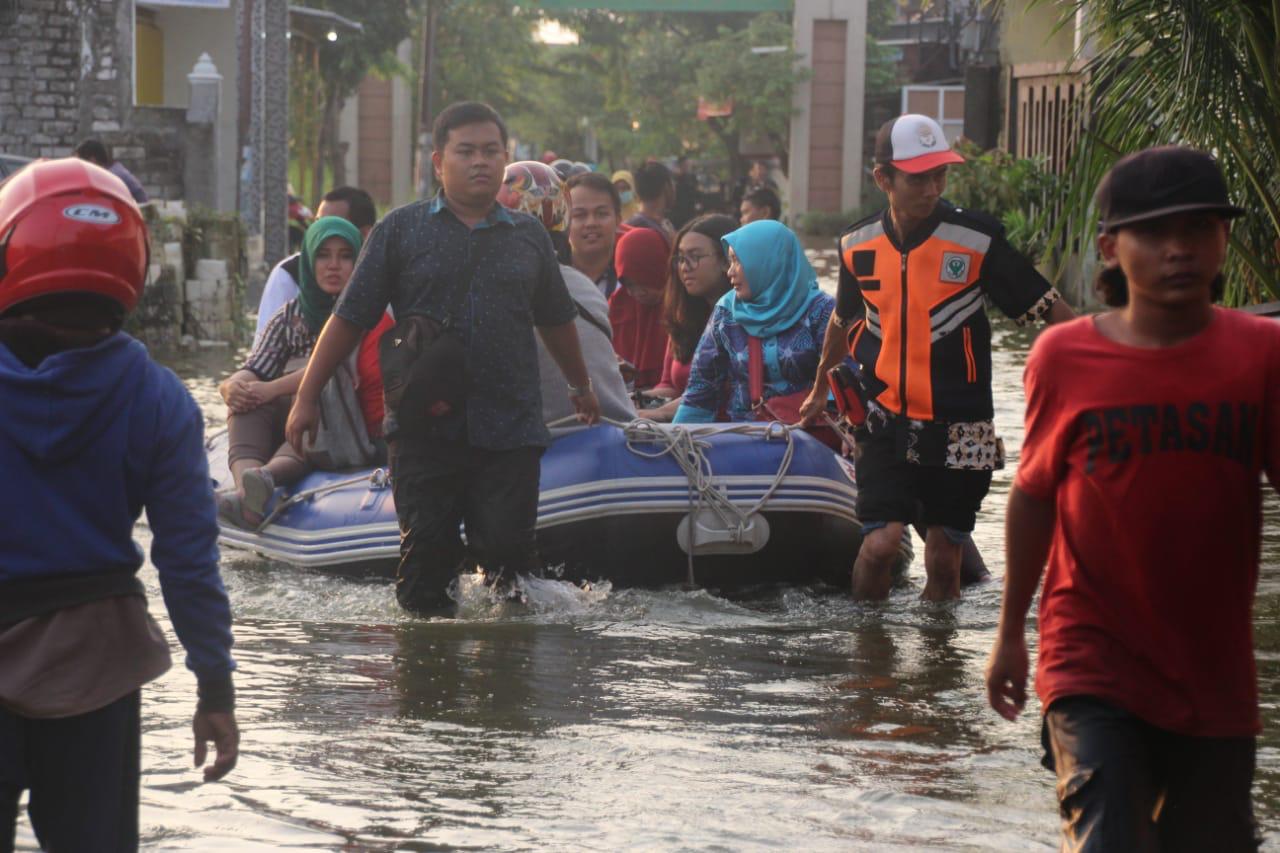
point(468, 281)
point(913, 281)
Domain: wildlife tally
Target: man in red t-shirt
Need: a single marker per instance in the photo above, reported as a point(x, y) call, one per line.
point(1147, 429)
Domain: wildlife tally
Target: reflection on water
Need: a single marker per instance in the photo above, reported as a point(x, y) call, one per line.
point(621, 719)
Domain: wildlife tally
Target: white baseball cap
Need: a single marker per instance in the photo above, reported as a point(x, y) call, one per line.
point(914, 143)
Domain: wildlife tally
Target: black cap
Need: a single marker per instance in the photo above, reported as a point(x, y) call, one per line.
point(1161, 181)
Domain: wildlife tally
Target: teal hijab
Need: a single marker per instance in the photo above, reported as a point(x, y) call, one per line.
point(781, 281)
point(317, 305)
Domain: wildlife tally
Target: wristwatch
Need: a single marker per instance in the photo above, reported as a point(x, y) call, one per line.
point(581, 390)
point(838, 321)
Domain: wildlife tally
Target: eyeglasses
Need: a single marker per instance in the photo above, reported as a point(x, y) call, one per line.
point(690, 260)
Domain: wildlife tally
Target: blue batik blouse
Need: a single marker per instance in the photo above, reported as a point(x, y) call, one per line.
point(719, 378)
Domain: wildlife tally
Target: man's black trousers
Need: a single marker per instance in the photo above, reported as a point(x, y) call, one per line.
point(438, 487)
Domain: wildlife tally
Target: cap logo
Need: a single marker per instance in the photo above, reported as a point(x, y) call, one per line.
point(93, 213)
point(955, 267)
point(927, 139)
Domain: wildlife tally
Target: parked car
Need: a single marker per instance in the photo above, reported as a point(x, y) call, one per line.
point(10, 163)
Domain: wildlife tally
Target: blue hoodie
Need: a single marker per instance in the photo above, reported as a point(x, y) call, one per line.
point(90, 438)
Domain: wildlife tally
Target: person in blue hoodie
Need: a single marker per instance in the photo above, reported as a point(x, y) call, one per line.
point(92, 432)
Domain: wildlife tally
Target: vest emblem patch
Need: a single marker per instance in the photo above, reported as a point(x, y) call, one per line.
point(955, 267)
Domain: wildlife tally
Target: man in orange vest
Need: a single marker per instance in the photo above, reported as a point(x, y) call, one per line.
point(913, 281)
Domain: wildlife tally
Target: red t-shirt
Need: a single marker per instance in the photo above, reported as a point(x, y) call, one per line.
point(675, 373)
point(1153, 457)
point(369, 377)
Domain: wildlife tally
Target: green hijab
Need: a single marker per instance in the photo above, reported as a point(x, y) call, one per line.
point(317, 305)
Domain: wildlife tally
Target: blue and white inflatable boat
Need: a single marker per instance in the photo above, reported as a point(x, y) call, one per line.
point(722, 506)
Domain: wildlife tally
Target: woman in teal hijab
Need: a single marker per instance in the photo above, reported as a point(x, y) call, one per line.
point(775, 298)
point(259, 394)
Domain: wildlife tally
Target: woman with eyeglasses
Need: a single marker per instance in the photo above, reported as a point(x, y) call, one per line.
point(697, 278)
point(635, 309)
point(775, 300)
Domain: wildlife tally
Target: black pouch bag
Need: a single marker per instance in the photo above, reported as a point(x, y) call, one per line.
point(424, 370)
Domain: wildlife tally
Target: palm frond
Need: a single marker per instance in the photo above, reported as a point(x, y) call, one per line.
point(1203, 73)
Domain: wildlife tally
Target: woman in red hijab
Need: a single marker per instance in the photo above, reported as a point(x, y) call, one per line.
point(635, 310)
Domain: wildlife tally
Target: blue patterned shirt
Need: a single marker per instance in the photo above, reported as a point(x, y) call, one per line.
point(720, 374)
point(493, 283)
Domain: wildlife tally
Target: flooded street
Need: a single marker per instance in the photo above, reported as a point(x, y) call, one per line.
point(623, 719)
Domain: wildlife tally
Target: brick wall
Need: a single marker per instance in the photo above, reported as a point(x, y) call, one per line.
point(40, 76)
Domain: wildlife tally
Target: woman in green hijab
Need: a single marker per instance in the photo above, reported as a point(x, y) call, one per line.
point(259, 394)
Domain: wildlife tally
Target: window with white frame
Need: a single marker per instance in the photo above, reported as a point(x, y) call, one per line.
point(943, 104)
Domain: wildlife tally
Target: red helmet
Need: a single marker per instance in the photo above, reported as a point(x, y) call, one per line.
point(68, 226)
point(535, 188)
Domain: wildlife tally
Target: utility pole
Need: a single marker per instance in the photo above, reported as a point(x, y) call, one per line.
point(425, 177)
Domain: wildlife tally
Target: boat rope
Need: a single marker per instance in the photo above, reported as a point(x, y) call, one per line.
point(378, 478)
point(687, 447)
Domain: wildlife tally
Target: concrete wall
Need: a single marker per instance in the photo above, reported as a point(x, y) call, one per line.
point(187, 34)
point(65, 72)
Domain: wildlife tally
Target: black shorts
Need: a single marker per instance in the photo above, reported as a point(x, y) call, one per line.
point(892, 489)
point(1124, 784)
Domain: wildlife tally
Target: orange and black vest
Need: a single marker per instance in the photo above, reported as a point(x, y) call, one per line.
point(925, 344)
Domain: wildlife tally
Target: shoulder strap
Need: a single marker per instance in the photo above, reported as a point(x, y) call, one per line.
point(590, 318)
point(452, 308)
point(755, 369)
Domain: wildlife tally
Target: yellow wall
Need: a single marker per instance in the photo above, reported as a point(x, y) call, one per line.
point(1027, 34)
point(149, 59)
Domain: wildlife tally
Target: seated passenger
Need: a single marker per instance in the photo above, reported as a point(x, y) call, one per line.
point(597, 352)
point(260, 393)
point(635, 309)
point(352, 204)
point(776, 300)
point(534, 188)
point(697, 279)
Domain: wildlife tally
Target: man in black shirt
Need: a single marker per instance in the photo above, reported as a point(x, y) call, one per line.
point(491, 274)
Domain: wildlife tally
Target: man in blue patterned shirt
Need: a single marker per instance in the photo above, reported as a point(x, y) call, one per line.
point(492, 275)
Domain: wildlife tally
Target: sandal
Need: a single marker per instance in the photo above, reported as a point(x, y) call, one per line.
point(258, 486)
point(231, 510)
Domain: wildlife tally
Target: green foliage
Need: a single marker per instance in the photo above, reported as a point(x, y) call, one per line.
point(1196, 72)
point(1012, 189)
point(638, 78)
point(322, 74)
point(883, 78)
point(345, 62)
point(822, 223)
point(485, 51)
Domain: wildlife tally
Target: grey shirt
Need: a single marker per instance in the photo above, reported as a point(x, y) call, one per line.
point(492, 283)
point(597, 352)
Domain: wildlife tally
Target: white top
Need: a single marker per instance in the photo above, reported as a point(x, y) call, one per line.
point(279, 289)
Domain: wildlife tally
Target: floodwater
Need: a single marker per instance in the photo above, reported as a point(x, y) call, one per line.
point(622, 719)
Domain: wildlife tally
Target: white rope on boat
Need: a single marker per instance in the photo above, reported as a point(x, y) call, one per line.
point(683, 444)
point(378, 478)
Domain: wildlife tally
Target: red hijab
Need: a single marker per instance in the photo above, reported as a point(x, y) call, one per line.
point(638, 334)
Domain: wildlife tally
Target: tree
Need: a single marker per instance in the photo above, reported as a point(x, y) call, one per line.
point(1203, 73)
point(324, 73)
point(651, 68)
